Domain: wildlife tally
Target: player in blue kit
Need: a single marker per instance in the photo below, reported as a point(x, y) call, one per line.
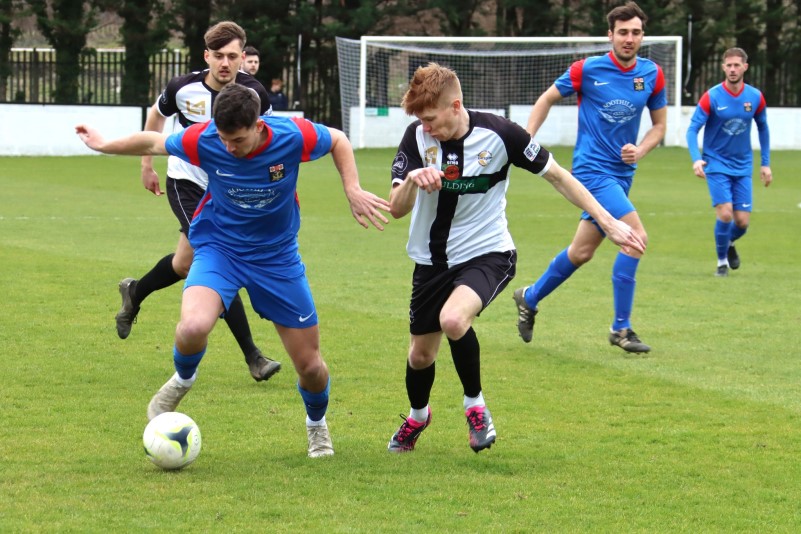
point(244, 234)
point(613, 91)
point(725, 113)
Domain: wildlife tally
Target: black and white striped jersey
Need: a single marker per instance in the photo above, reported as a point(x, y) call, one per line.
point(467, 217)
point(190, 100)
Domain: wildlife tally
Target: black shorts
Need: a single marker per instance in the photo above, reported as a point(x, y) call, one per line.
point(184, 197)
point(432, 285)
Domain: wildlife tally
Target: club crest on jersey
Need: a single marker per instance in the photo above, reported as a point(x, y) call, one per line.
point(747, 107)
point(484, 157)
point(195, 108)
point(531, 150)
point(276, 172)
point(431, 156)
point(639, 84)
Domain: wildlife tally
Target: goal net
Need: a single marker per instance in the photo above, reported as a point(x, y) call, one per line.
point(502, 75)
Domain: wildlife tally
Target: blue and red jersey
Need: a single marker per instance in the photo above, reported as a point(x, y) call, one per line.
point(611, 99)
point(251, 208)
point(726, 119)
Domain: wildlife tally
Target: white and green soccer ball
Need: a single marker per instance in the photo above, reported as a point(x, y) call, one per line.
point(172, 440)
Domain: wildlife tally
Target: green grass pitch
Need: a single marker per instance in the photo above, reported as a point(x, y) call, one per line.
point(700, 435)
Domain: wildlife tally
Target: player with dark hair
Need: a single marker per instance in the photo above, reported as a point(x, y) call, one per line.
point(190, 98)
point(613, 90)
point(451, 172)
point(251, 62)
point(245, 236)
point(725, 113)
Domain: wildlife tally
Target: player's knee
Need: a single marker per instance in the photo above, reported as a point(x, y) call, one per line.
point(421, 359)
point(309, 368)
point(578, 256)
point(192, 331)
point(453, 325)
point(643, 235)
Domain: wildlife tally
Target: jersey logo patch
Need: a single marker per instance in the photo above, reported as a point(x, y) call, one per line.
point(400, 163)
point(196, 108)
point(431, 156)
point(747, 107)
point(639, 84)
point(276, 172)
point(618, 111)
point(531, 150)
point(484, 157)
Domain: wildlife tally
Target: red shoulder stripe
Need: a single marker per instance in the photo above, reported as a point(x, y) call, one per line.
point(309, 137)
point(190, 139)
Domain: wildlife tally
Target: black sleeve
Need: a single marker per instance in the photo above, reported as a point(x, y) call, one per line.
point(408, 156)
point(523, 151)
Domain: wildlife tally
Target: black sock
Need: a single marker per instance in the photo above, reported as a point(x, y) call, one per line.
point(238, 323)
point(418, 385)
point(160, 276)
point(466, 354)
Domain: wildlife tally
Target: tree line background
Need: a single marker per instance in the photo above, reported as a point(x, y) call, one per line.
point(296, 37)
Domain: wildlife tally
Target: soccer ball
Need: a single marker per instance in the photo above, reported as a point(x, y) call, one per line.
point(172, 440)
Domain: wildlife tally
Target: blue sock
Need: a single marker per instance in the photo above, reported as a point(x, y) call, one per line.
point(186, 364)
point(557, 272)
point(316, 403)
point(722, 237)
point(623, 282)
point(737, 232)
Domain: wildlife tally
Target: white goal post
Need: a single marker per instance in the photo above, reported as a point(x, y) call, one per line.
point(500, 74)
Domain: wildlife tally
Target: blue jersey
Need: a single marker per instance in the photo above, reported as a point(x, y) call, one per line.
point(611, 99)
point(726, 119)
point(251, 207)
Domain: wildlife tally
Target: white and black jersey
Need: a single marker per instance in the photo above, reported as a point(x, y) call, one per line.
point(190, 99)
point(467, 217)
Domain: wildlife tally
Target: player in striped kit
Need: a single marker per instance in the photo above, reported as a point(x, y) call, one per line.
point(451, 172)
point(613, 90)
point(725, 113)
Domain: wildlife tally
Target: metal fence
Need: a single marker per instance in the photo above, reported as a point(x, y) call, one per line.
point(33, 75)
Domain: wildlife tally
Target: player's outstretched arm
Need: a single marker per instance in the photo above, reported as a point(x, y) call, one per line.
point(138, 144)
point(363, 204)
point(617, 231)
point(150, 178)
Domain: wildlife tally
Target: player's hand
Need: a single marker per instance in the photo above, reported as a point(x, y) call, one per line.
point(90, 137)
point(766, 175)
point(428, 179)
point(150, 179)
point(698, 168)
point(625, 237)
point(364, 204)
point(630, 153)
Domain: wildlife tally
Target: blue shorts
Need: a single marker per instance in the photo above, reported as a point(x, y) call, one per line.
point(611, 193)
point(278, 290)
point(725, 188)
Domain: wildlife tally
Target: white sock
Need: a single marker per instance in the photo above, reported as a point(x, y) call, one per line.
point(421, 415)
point(309, 422)
point(724, 261)
point(185, 382)
point(470, 402)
